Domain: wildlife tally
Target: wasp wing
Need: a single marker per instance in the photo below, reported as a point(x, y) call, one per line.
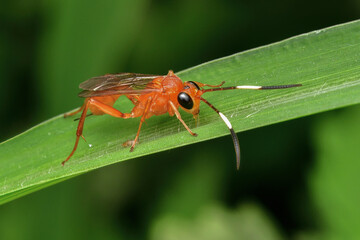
point(120, 80)
point(121, 83)
point(87, 93)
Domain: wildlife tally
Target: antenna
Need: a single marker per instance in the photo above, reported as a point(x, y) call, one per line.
point(233, 134)
point(252, 87)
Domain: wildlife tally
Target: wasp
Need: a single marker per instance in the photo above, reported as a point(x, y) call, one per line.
point(151, 95)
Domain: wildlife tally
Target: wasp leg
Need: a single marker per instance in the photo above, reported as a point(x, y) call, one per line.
point(109, 109)
point(116, 113)
point(104, 108)
point(148, 103)
point(79, 129)
point(180, 119)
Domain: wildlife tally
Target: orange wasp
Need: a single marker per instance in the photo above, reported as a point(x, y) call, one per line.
point(151, 95)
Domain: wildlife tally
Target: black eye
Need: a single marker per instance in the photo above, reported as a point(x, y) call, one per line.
point(185, 100)
point(194, 85)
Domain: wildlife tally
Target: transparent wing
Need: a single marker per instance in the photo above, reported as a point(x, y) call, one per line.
point(128, 91)
point(121, 81)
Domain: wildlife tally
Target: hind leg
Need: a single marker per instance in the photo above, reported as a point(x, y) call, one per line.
point(79, 128)
point(101, 107)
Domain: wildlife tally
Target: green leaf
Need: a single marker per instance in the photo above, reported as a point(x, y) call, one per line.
point(326, 62)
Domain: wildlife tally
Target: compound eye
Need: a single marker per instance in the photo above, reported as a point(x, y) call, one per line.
point(185, 100)
point(194, 83)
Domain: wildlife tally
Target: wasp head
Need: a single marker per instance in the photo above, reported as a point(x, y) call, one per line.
point(189, 98)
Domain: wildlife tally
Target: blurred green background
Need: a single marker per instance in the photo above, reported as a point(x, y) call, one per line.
point(298, 179)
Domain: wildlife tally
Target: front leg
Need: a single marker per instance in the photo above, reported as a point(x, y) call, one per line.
point(177, 113)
